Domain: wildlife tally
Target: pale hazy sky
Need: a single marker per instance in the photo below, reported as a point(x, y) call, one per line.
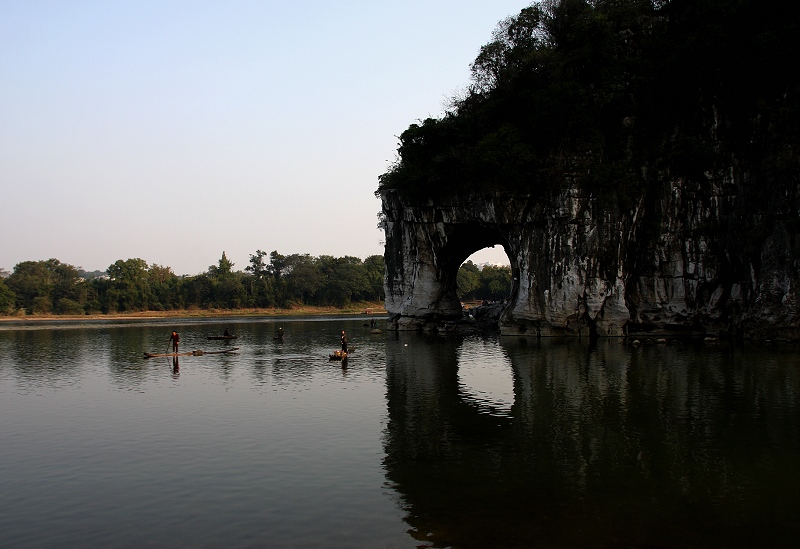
point(174, 130)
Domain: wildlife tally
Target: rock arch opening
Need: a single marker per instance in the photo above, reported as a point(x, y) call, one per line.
point(423, 256)
point(465, 243)
point(567, 275)
point(485, 276)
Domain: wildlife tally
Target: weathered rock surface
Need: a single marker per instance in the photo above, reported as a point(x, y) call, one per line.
point(716, 258)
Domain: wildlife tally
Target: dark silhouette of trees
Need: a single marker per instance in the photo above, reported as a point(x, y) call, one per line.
point(614, 94)
point(44, 286)
point(7, 298)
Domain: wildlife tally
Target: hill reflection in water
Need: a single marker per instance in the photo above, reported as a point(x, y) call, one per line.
point(603, 446)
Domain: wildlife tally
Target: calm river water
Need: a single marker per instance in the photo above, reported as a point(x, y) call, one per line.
point(421, 441)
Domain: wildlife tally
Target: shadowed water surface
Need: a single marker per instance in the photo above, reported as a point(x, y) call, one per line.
point(418, 442)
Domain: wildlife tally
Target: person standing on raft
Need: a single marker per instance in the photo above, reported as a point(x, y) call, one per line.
point(175, 339)
point(344, 342)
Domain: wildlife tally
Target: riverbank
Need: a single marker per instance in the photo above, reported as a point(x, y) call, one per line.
point(300, 310)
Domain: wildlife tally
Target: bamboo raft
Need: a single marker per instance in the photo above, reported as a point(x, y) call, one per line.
point(192, 353)
point(341, 355)
point(223, 337)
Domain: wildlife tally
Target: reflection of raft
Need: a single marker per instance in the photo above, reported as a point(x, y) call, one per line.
point(192, 353)
point(223, 337)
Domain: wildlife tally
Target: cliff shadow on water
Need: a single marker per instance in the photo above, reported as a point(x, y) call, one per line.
point(603, 445)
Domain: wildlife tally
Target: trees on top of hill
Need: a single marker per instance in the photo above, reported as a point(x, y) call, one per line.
point(614, 94)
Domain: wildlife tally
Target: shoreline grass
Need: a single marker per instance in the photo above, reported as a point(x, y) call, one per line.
point(293, 310)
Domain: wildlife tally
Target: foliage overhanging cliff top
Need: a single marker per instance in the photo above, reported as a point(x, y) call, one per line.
point(613, 93)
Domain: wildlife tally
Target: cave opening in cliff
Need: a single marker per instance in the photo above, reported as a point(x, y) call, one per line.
point(485, 276)
point(479, 266)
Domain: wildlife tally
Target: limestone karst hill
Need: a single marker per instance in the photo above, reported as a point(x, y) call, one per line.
point(638, 161)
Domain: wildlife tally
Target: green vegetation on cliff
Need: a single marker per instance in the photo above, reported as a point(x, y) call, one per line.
point(618, 95)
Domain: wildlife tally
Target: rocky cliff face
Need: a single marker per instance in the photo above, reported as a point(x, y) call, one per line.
point(715, 258)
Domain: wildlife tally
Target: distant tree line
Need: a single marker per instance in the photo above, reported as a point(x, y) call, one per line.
point(270, 280)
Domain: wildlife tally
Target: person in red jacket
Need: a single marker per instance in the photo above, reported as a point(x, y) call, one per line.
point(175, 339)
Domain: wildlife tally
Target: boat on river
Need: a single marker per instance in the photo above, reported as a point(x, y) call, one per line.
point(223, 337)
point(192, 353)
